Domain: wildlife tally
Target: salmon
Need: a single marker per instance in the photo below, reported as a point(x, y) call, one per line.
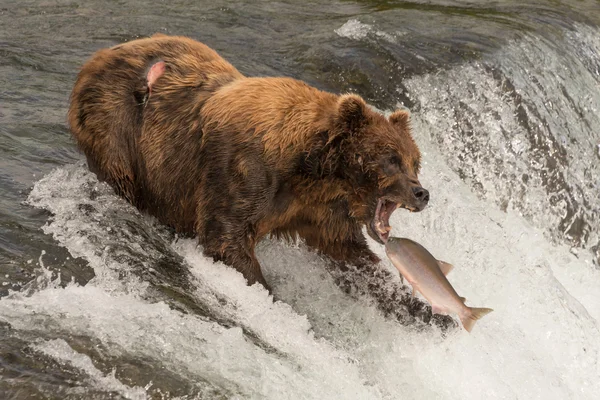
point(428, 276)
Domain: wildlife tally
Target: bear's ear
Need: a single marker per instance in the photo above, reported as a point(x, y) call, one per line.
point(352, 112)
point(400, 119)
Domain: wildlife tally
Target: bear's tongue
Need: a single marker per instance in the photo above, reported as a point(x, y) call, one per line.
point(384, 210)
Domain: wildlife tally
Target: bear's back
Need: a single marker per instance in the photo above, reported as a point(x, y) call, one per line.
point(113, 82)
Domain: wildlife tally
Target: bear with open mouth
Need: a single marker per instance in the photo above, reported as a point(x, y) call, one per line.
point(184, 136)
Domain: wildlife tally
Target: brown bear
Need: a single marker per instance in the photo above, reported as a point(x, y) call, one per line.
point(183, 135)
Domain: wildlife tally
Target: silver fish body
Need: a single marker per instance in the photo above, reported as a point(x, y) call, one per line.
point(428, 276)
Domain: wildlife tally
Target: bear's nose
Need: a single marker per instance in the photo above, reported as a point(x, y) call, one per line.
point(421, 194)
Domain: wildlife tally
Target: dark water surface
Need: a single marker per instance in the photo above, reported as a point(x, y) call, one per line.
point(505, 97)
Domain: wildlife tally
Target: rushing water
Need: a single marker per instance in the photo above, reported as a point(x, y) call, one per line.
point(98, 301)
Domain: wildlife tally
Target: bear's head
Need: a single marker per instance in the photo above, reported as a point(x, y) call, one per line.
point(379, 159)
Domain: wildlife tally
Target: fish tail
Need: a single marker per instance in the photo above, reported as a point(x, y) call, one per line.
point(468, 320)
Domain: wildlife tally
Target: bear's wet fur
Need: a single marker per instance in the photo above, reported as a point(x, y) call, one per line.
point(231, 159)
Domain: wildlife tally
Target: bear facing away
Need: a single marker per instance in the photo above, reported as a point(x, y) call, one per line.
point(184, 136)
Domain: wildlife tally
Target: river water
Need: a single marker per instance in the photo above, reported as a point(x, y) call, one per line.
point(100, 302)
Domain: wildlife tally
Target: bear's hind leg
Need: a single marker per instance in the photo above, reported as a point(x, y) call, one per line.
point(119, 177)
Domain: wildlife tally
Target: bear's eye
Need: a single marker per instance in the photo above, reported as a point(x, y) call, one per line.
point(392, 164)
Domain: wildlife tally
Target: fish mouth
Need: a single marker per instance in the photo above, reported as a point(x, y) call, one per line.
point(380, 224)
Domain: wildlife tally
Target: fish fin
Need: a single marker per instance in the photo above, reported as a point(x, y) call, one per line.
point(469, 320)
point(445, 267)
point(463, 299)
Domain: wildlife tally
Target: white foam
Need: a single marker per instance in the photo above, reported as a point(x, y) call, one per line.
point(184, 344)
point(69, 193)
point(356, 30)
point(585, 42)
point(60, 351)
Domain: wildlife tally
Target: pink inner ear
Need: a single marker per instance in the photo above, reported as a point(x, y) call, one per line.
point(155, 72)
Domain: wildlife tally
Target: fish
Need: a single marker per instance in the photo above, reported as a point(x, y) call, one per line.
point(427, 276)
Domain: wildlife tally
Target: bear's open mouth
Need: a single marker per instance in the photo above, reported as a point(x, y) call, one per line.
point(381, 221)
point(380, 225)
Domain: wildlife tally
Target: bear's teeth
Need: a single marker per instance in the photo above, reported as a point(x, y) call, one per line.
point(381, 228)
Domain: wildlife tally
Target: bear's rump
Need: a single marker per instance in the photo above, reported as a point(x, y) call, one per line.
point(109, 117)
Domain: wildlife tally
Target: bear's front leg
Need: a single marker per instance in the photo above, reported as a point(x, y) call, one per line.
point(241, 260)
point(234, 248)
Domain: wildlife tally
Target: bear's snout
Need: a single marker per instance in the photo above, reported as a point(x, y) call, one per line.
point(422, 196)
